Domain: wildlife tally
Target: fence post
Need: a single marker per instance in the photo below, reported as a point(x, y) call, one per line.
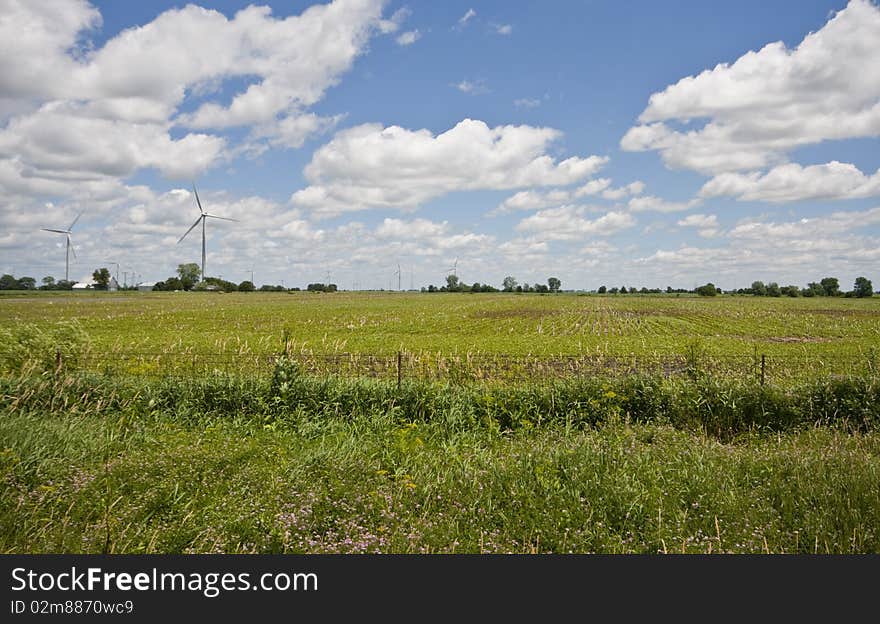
point(399, 369)
point(57, 360)
point(763, 367)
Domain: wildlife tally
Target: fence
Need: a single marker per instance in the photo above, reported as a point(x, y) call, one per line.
point(476, 368)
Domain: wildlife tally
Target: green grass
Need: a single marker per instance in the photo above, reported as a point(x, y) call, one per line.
point(90, 465)
point(458, 323)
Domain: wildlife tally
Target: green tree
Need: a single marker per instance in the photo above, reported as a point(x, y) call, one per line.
point(188, 274)
point(554, 284)
point(8, 282)
point(452, 282)
point(773, 290)
point(707, 290)
point(48, 283)
point(831, 286)
point(27, 283)
point(509, 283)
point(101, 277)
point(246, 286)
point(863, 287)
point(759, 289)
point(813, 289)
point(602, 290)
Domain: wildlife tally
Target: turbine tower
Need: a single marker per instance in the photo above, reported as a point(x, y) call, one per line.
point(203, 216)
point(69, 246)
point(397, 273)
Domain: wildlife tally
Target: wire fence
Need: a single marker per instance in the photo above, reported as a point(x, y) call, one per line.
point(476, 368)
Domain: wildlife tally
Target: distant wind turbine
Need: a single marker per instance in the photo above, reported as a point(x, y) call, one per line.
point(454, 268)
point(69, 246)
point(203, 216)
point(397, 273)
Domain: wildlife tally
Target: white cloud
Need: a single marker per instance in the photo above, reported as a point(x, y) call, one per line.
point(771, 101)
point(814, 228)
point(503, 29)
point(707, 225)
point(656, 204)
point(409, 37)
point(569, 223)
point(374, 166)
point(472, 88)
point(468, 15)
point(414, 229)
point(393, 24)
point(81, 116)
point(699, 221)
point(792, 182)
point(633, 188)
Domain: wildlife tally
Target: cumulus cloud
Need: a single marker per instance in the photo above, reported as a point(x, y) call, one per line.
point(707, 225)
point(807, 228)
point(657, 204)
point(374, 166)
point(570, 223)
point(502, 29)
point(81, 115)
point(633, 188)
point(793, 182)
point(772, 101)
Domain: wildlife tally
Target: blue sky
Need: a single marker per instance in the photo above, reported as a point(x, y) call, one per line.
point(638, 144)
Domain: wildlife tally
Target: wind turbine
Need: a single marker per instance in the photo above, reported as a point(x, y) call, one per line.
point(453, 269)
point(69, 246)
point(117, 269)
point(203, 216)
point(397, 273)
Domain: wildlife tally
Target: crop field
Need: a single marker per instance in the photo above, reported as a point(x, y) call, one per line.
point(129, 423)
point(155, 332)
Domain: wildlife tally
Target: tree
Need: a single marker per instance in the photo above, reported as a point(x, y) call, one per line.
point(773, 290)
point(623, 290)
point(707, 290)
point(246, 286)
point(101, 277)
point(602, 290)
point(554, 284)
point(27, 283)
point(8, 282)
point(48, 283)
point(813, 289)
point(451, 282)
point(759, 289)
point(831, 286)
point(509, 283)
point(189, 274)
point(863, 287)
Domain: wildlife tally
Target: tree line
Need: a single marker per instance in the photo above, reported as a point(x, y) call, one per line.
point(187, 278)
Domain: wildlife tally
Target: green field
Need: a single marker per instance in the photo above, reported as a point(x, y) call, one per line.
point(110, 453)
point(205, 330)
point(460, 323)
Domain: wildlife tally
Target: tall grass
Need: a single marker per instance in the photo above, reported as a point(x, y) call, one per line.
point(300, 464)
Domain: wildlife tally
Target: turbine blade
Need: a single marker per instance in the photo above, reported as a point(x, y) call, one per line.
point(70, 242)
point(207, 214)
point(191, 228)
point(56, 231)
point(75, 220)
point(197, 198)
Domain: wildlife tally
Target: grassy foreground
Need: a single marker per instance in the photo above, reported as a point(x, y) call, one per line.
point(346, 466)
